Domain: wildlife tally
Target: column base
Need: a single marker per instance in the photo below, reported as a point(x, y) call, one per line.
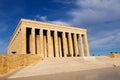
point(89, 58)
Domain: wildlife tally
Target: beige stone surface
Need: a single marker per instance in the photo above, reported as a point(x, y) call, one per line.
point(75, 44)
point(56, 44)
point(11, 62)
point(70, 44)
point(114, 55)
point(81, 46)
point(68, 64)
point(48, 40)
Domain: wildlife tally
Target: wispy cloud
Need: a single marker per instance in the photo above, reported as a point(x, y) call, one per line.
point(98, 16)
point(95, 11)
point(41, 18)
point(105, 39)
point(44, 18)
point(64, 1)
point(59, 22)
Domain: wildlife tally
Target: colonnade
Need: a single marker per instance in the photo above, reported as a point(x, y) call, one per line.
point(53, 43)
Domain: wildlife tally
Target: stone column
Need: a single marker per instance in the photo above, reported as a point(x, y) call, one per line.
point(49, 43)
point(37, 42)
point(41, 42)
point(67, 46)
point(23, 36)
point(52, 50)
point(81, 46)
point(45, 46)
point(60, 49)
point(64, 44)
point(75, 44)
point(86, 45)
point(33, 41)
point(56, 43)
point(70, 44)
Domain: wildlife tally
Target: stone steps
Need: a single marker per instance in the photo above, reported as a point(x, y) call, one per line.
point(68, 64)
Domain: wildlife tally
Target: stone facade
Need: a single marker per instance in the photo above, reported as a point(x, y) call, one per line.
point(48, 40)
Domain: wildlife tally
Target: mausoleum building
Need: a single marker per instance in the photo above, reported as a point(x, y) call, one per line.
point(48, 40)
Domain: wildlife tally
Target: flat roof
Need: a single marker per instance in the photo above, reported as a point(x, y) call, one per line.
point(47, 23)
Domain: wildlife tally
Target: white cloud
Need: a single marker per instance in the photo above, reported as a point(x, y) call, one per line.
point(105, 39)
point(101, 42)
point(64, 1)
point(41, 18)
point(95, 11)
point(44, 18)
point(59, 22)
point(94, 14)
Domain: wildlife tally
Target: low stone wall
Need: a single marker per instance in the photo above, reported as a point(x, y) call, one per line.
point(10, 62)
point(114, 55)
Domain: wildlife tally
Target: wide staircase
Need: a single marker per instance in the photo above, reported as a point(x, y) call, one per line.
point(68, 64)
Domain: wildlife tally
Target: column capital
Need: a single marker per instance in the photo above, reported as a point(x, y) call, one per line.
point(33, 30)
point(41, 28)
point(55, 31)
point(74, 33)
point(41, 31)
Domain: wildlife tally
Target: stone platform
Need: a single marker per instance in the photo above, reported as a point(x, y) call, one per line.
point(69, 64)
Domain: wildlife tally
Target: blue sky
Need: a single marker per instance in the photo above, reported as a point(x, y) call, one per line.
point(100, 17)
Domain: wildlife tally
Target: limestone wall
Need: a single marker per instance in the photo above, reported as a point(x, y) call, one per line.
point(16, 42)
point(114, 55)
point(10, 62)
